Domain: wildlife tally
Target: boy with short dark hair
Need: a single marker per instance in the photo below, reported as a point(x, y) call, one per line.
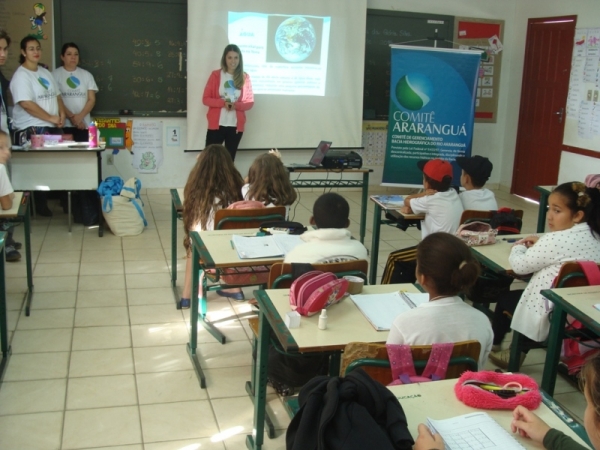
point(476, 170)
point(439, 202)
point(331, 241)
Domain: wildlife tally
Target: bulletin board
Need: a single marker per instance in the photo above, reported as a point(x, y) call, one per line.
point(487, 35)
point(21, 19)
point(582, 124)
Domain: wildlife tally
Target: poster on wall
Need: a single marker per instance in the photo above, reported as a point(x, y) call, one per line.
point(147, 146)
point(432, 107)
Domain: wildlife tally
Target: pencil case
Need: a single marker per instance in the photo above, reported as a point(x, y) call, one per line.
point(493, 390)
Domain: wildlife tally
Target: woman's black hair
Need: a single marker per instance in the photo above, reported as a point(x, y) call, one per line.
point(23, 46)
point(67, 46)
point(579, 197)
point(447, 262)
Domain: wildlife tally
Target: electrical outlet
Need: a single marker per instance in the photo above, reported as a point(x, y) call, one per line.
point(110, 160)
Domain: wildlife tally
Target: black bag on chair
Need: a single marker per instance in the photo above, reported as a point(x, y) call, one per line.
point(351, 413)
point(400, 266)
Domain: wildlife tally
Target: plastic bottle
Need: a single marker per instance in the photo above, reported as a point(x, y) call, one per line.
point(93, 135)
point(323, 320)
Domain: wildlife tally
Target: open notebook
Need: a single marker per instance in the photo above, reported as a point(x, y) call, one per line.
point(473, 431)
point(381, 309)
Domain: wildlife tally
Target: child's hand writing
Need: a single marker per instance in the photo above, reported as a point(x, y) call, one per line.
point(528, 425)
point(428, 441)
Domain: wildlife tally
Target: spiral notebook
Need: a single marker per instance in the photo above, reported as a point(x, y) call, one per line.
point(381, 309)
point(473, 432)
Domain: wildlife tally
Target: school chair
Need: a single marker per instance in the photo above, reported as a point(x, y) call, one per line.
point(570, 275)
point(280, 275)
point(489, 286)
point(373, 359)
point(235, 219)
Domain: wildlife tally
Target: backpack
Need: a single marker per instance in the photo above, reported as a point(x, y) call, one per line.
point(400, 266)
point(350, 413)
point(403, 367)
point(122, 206)
point(316, 290)
point(505, 221)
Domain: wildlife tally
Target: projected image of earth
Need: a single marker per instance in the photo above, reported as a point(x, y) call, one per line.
point(295, 39)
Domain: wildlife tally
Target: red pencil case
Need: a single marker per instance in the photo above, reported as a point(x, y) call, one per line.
point(493, 390)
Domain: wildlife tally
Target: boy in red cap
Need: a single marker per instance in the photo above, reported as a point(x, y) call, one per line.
point(439, 202)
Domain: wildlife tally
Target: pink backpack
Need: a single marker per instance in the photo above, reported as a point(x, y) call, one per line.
point(403, 366)
point(315, 290)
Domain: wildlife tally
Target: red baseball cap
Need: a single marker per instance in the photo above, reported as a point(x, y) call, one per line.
point(436, 169)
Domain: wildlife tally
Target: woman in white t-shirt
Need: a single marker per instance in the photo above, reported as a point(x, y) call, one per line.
point(228, 95)
point(38, 105)
point(78, 91)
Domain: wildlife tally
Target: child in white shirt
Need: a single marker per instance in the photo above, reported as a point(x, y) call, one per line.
point(476, 170)
point(6, 199)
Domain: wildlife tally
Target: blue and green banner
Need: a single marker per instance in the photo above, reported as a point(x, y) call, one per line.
point(432, 110)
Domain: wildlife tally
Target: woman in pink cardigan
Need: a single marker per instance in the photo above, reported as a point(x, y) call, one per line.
point(228, 95)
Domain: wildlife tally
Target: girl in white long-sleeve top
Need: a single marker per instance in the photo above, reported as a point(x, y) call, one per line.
point(574, 223)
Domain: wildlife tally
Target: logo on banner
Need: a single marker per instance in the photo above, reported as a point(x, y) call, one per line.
point(414, 91)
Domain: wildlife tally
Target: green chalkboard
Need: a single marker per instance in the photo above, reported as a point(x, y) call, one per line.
point(135, 49)
point(394, 27)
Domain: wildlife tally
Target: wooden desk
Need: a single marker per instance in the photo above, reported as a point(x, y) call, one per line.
point(397, 218)
point(213, 250)
point(58, 169)
point(495, 256)
point(345, 324)
point(176, 213)
point(545, 192)
point(338, 183)
point(438, 401)
point(4, 346)
point(578, 302)
point(20, 213)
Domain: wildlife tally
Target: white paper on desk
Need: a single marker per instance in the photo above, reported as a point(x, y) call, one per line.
point(473, 431)
point(381, 309)
point(390, 201)
point(253, 247)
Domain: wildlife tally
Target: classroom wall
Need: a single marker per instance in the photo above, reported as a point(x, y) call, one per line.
point(496, 141)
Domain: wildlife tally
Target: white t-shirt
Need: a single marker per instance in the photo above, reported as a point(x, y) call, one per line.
point(327, 245)
point(74, 87)
point(5, 186)
point(544, 260)
point(3, 115)
point(479, 200)
point(442, 212)
point(440, 321)
point(38, 87)
point(229, 93)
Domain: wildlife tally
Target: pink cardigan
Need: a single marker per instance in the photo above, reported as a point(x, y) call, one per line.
point(213, 100)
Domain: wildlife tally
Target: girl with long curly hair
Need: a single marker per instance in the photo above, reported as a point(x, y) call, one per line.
point(214, 183)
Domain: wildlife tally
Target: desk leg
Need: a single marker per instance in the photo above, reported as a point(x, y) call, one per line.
point(555, 338)
point(204, 310)
point(255, 441)
point(375, 244)
point(193, 344)
point(334, 364)
point(69, 209)
point(363, 207)
point(3, 319)
point(541, 224)
point(251, 386)
point(27, 225)
point(174, 254)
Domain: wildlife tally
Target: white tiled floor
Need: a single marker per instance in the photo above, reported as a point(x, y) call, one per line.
point(101, 362)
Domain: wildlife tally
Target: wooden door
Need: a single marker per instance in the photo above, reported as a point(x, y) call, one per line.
point(542, 112)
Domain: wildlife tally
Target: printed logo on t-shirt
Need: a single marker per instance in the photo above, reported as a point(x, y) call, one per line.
point(73, 82)
point(229, 90)
point(45, 83)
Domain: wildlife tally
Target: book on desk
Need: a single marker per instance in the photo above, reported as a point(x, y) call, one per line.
point(381, 309)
